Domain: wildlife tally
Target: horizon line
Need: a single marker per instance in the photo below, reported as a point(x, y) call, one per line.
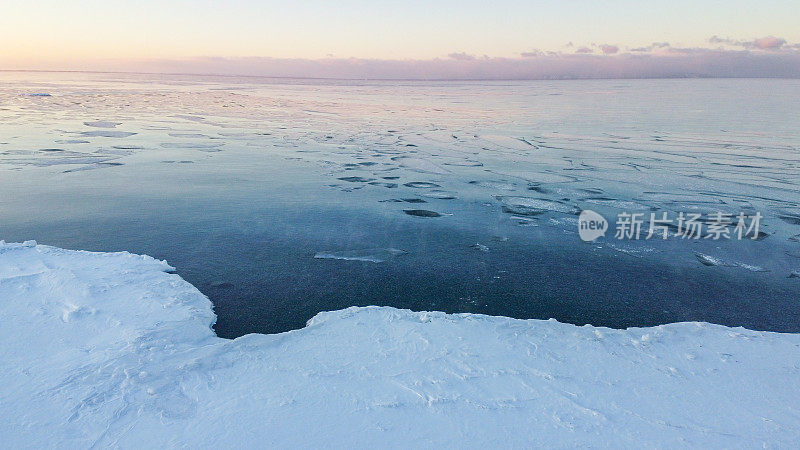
point(279, 77)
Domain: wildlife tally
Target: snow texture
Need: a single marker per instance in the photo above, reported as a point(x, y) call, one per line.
point(109, 349)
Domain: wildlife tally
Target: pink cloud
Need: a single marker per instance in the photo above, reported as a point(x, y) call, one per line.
point(765, 43)
point(584, 50)
point(769, 43)
point(609, 49)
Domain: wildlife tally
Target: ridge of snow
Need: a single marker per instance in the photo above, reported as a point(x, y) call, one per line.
point(108, 349)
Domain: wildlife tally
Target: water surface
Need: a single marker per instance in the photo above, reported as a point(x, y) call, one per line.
point(282, 198)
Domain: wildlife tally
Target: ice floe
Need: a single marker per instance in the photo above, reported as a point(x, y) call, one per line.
point(709, 260)
point(421, 213)
point(530, 206)
point(480, 247)
point(202, 146)
point(102, 124)
point(421, 185)
point(375, 255)
point(513, 143)
point(356, 179)
point(420, 165)
point(107, 133)
point(438, 194)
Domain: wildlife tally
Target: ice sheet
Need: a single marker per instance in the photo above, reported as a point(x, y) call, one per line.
point(108, 349)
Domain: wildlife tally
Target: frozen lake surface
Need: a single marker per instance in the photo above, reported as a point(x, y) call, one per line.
point(279, 199)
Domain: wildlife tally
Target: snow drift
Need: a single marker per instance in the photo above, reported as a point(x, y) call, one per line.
point(110, 349)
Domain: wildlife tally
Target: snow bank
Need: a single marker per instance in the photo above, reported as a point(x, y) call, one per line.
point(110, 349)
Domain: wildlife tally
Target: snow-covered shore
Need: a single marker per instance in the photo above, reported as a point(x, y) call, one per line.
point(110, 349)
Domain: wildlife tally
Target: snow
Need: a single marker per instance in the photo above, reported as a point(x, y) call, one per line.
point(110, 349)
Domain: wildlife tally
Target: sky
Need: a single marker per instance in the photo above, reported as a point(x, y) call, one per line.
point(261, 37)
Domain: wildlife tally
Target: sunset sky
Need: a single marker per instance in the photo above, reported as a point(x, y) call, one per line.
point(150, 34)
